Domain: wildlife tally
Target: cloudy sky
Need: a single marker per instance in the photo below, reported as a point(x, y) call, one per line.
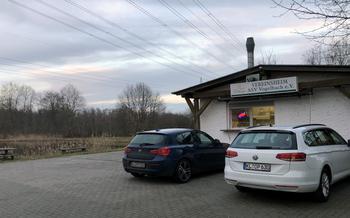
point(101, 46)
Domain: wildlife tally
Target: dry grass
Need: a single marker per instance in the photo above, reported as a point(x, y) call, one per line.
point(43, 147)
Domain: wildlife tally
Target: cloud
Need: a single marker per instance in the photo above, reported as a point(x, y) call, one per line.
point(166, 61)
point(103, 102)
point(172, 99)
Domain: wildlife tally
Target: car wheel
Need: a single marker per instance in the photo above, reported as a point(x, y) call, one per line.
point(241, 188)
point(183, 171)
point(138, 175)
point(324, 189)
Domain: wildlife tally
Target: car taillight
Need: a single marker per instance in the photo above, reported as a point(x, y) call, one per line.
point(231, 154)
point(163, 151)
point(291, 156)
point(127, 150)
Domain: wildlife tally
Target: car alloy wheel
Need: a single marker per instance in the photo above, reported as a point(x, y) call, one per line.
point(324, 189)
point(325, 184)
point(183, 171)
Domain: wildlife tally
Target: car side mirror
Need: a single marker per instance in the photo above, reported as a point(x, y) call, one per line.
point(217, 142)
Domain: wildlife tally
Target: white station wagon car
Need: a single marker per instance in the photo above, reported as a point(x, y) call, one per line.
point(304, 158)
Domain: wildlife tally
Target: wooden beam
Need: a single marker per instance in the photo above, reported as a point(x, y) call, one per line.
point(204, 106)
point(190, 104)
point(196, 113)
point(212, 94)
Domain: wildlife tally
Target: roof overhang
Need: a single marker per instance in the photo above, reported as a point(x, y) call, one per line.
point(192, 92)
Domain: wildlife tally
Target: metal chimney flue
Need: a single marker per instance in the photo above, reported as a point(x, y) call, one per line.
point(250, 51)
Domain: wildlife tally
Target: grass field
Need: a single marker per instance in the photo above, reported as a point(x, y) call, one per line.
point(44, 147)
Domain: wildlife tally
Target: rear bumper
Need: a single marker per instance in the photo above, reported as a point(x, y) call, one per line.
point(159, 166)
point(293, 181)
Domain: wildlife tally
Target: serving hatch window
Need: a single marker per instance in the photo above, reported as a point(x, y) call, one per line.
point(252, 116)
point(240, 117)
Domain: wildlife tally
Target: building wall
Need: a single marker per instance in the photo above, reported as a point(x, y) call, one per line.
point(328, 106)
point(214, 120)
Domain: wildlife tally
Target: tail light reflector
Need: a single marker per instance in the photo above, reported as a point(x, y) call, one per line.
point(231, 154)
point(163, 151)
point(291, 156)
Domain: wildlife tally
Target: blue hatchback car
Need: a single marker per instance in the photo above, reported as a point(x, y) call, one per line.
point(173, 152)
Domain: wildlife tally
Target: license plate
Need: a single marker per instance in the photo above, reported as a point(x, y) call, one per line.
point(257, 167)
point(137, 164)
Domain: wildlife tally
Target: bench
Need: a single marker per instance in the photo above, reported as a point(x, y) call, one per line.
point(7, 153)
point(73, 149)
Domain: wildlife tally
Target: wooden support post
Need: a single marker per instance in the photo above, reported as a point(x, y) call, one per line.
point(190, 104)
point(196, 110)
point(196, 114)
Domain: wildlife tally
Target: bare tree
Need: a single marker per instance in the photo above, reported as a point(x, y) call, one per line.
point(333, 16)
point(268, 57)
point(63, 113)
point(314, 56)
point(17, 97)
point(72, 99)
point(51, 101)
point(141, 104)
point(28, 97)
point(9, 98)
point(337, 53)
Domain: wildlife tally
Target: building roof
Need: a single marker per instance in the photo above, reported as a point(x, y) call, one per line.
point(262, 68)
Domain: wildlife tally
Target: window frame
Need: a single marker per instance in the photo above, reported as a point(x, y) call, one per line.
point(190, 132)
point(327, 131)
point(294, 142)
point(337, 135)
point(164, 136)
point(199, 141)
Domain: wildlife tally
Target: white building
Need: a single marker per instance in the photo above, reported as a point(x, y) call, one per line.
point(272, 95)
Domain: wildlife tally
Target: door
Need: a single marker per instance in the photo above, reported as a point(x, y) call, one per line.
point(211, 154)
point(343, 150)
point(322, 143)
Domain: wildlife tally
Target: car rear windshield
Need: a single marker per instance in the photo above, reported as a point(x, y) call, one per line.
point(265, 140)
point(148, 139)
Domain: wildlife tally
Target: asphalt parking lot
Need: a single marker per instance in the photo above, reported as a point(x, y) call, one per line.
point(96, 186)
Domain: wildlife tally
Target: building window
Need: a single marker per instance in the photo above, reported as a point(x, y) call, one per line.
point(240, 117)
point(263, 115)
point(252, 116)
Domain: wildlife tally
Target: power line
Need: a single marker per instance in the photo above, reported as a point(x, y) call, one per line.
point(183, 18)
point(217, 21)
point(163, 24)
point(133, 34)
point(209, 26)
point(88, 33)
point(192, 25)
point(121, 39)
